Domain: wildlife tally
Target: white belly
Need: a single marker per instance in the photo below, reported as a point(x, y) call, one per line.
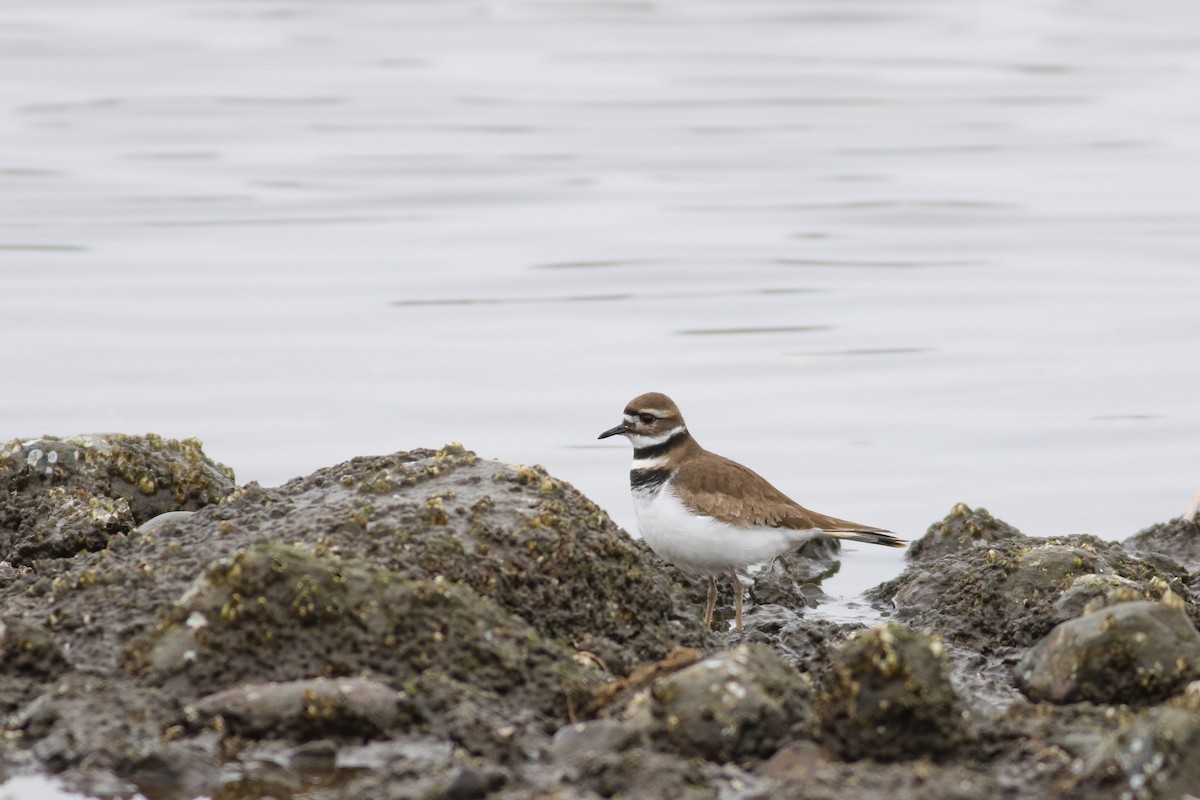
point(705, 545)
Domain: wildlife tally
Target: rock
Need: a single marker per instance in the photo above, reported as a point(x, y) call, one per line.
point(1158, 756)
point(27, 649)
point(793, 580)
point(653, 775)
point(1007, 595)
point(889, 698)
point(61, 496)
point(275, 613)
point(735, 704)
point(794, 760)
point(101, 726)
point(179, 769)
point(163, 523)
point(469, 783)
point(807, 643)
point(582, 741)
point(429, 624)
point(815, 778)
point(1089, 593)
point(306, 709)
point(962, 528)
point(29, 658)
point(611, 758)
point(1134, 653)
point(1178, 540)
point(512, 534)
point(408, 767)
point(196, 604)
point(529, 542)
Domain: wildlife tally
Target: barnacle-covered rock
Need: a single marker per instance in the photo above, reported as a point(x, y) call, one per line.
point(1010, 593)
point(735, 704)
point(1135, 653)
point(60, 496)
point(890, 698)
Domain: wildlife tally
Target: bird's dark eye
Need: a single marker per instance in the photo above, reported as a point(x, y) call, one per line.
point(647, 419)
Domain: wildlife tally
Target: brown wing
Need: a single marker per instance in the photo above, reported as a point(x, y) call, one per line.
point(718, 487)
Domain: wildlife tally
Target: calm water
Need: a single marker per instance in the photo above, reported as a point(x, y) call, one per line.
point(892, 254)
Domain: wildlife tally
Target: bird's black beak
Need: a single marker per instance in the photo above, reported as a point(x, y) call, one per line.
point(613, 431)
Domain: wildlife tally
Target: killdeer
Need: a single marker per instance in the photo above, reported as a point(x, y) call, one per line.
point(707, 514)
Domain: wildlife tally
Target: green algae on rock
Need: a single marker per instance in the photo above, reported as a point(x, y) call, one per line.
point(1135, 653)
point(889, 698)
point(531, 543)
point(277, 613)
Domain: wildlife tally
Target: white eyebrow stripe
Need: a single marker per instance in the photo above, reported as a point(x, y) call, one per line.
point(658, 412)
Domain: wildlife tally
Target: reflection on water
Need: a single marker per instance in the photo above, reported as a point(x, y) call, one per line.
point(894, 257)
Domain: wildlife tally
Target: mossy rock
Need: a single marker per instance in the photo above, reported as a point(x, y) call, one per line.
point(276, 613)
point(528, 541)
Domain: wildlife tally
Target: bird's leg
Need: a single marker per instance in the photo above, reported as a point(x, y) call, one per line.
point(712, 601)
point(737, 597)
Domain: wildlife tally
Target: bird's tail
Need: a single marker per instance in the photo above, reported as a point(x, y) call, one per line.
point(869, 536)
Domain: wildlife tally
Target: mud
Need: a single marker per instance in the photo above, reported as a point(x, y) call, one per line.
point(430, 624)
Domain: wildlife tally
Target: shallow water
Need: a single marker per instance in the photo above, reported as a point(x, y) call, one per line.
point(892, 255)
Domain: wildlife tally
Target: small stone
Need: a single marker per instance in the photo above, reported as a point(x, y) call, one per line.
point(889, 698)
point(308, 709)
point(737, 703)
point(1158, 756)
point(1136, 653)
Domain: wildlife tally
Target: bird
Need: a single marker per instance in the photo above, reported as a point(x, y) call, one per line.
point(710, 515)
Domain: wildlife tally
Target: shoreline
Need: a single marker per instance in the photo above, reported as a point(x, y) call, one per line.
point(433, 624)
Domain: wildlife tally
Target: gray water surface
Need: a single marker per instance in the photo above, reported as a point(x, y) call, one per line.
point(893, 255)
